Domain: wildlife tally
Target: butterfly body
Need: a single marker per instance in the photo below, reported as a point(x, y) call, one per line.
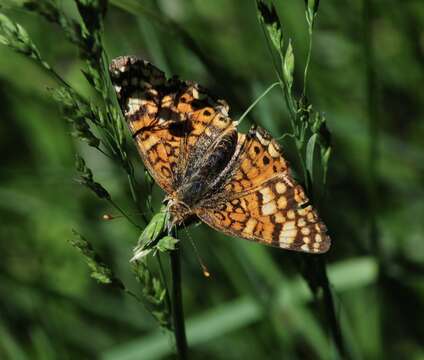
point(237, 183)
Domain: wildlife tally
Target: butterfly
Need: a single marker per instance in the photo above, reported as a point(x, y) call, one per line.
point(237, 183)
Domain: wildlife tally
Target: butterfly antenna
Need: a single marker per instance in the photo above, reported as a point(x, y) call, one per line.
point(108, 217)
point(205, 270)
point(250, 108)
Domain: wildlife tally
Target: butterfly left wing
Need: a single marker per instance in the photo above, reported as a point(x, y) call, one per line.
point(262, 202)
point(145, 97)
point(173, 122)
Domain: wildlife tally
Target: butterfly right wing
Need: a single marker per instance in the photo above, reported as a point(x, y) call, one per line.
point(262, 202)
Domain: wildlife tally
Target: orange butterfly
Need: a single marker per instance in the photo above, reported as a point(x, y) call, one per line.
point(236, 183)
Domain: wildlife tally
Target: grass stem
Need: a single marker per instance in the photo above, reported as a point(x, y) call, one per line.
point(177, 305)
point(373, 121)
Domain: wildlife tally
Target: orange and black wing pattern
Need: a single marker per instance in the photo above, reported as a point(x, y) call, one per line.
point(237, 183)
point(173, 122)
point(262, 202)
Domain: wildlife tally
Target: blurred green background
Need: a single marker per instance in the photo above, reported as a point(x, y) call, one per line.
point(366, 74)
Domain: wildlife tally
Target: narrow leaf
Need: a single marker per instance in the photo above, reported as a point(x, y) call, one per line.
point(310, 149)
point(86, 179)
point(269, 18)
point(288, 66)
point(99, 270)
point(15, 36)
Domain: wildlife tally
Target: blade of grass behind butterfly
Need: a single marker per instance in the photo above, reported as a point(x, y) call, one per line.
point(153, 43)
point(10, 348)
point(262, 278)
point(42, 344)
point(98, 72)
point(221, 76)
point(154, 46)
point(316, 269)
point(259, 258)
point(315, 272)
point(230, 316)
point(16, 37)
point(180, 337)
point(100, 310)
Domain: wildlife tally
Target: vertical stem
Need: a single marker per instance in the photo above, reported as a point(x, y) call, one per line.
point(314, 270)
point(177, 305)
point(372, 109)
point(331, 310)
point(308, 60)
point(373, 122)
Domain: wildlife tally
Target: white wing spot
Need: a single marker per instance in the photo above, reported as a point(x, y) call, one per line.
point(267, 195)
point(305, 247)
point(269, 208)
point(287, 236)
point(279, 218)
point(305, 231)
point(282, 202)
point(280, 187)
point(291, 215)
point(250, 226)
point(301, 222)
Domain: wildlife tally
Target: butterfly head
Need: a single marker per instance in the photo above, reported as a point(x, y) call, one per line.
point(179, 211)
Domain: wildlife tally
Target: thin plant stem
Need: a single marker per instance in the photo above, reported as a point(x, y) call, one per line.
point(373, 125)
point(177, 305)
point(308, 59)
point(124, 214)
point(280, 79)
point(256, 101)
point(163, 277)
point(330, 309)
point(104, 152)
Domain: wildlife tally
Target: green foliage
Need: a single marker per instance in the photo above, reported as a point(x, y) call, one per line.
point(311, 11)
point(86, 179)
point(307, 124)
point(167, 243)
point(99, 270)
point(148, 240)
point(15, 36)
point(154, 295)
point(288, 66)
point(106, 119)
point(78, 113)
point(268, 16)
point(52, 11)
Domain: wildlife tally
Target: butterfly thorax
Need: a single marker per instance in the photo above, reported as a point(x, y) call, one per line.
point(200, 182)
